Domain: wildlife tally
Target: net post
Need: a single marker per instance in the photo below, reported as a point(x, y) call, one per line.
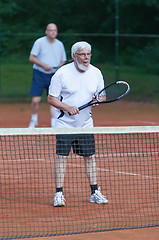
point(117, 39)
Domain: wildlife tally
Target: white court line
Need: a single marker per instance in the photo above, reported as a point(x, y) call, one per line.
point(118, 172)
point(127, 154)
point(102, 169)
point(105, 170)
point(127, 173)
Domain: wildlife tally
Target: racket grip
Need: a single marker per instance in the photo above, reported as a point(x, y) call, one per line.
point(83, 106)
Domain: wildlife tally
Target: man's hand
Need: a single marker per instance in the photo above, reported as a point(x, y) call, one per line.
point(73, 110)
point(100, 99)
point(47, 67)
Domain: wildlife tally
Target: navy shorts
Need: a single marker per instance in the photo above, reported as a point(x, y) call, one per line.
point(40, 82)
point(82, 144)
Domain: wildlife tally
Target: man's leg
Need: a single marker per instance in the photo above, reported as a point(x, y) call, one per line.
point(34, 112)
point(59, 173)
point(59, 170)
point(91, 171)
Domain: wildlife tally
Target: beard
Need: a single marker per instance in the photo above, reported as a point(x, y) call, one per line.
point(81, 66)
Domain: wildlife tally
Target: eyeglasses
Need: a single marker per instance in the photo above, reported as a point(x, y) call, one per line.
point(49, 30)
point(84, 54)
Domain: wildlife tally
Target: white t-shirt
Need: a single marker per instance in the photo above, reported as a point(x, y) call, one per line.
point(48, 53)
point(75, 89)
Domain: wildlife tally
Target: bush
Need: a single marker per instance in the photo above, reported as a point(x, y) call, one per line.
point(148, 58)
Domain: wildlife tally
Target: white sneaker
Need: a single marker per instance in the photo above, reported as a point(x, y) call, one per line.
point(33, 124)
point(97, 197)
point(59, 199)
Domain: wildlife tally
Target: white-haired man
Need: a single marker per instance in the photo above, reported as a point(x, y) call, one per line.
point(75, 83)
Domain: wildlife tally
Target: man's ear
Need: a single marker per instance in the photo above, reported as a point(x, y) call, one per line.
point(74, 56)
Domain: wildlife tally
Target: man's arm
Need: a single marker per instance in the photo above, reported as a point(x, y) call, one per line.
point(34, 60)
point(55, 102)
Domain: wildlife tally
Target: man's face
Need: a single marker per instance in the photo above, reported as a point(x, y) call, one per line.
point(83, 57)
point(51, 31)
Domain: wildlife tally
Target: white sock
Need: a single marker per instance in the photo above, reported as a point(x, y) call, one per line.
point(52, 122)
point(34, 117)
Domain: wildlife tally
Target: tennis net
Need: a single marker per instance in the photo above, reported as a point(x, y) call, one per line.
point(127, 160)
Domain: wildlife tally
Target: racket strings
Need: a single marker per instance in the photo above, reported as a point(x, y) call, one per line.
point(116, 91)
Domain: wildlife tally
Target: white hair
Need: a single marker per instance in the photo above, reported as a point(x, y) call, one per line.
point(79, 46)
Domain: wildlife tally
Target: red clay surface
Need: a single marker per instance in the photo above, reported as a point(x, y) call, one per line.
point(120, 113)
point(115, 114)
point(137, 234)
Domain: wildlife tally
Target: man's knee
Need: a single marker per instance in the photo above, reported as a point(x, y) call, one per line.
point(36, 100)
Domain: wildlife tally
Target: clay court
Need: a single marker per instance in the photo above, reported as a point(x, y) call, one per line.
point(116, 114)
point(120, 113)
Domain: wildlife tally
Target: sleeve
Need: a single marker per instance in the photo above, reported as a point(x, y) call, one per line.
point(36, 48)
point(55, 85)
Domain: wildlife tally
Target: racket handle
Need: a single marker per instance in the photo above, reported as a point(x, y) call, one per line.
point(83, 106)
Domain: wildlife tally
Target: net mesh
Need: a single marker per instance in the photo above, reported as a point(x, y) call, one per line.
point(127, 167)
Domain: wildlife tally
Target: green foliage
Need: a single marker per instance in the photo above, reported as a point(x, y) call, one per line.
point(16, 82)
point(144, 87)
point(22, 21)
point(148, 58)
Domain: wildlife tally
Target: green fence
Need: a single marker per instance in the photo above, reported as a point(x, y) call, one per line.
point(130, 57)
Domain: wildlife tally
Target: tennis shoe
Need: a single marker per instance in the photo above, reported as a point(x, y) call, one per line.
point(98, 197)
point(59, 200)
point(33, 124)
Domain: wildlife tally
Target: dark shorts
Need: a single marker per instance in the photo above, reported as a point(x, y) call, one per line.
point(82, 144)
point(40, 82)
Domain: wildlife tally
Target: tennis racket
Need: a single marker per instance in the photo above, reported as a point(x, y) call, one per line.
point(69, 61)
point(110, 93)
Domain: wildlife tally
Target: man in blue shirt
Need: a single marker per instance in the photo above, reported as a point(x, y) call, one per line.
point(47, 54)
